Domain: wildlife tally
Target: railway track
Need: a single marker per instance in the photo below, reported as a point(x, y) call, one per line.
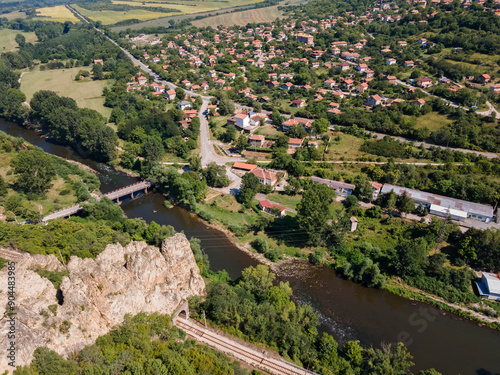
point(250, 356)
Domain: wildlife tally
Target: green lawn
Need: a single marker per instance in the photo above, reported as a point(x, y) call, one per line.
point(289, 201)
point(7, 39)
point(88, 94)
point(345, 149)
point(433, 121)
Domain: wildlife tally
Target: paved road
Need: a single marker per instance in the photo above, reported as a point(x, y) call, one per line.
point(488, 155)
point(489, 111)
point(207, 151)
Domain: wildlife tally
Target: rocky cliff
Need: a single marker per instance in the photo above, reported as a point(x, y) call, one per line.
point(96, 295)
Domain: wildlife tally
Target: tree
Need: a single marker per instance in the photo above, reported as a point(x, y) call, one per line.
point(411, 257)
point(313, 212)
point(321, 125)
point(179, 93)
point(276, 118)
point(195, 162)
point(35, 170)
point(257, 280)
point(104, 209)
point(351, 202)
point(215, 175)
point(226, 106)
point(405, 204)
point(152, 149)
point(20, 40)
point(242, 142)
point(257, 107)
point(364, 189)
point(98, 71)
point(3, 187)
point(249, 188)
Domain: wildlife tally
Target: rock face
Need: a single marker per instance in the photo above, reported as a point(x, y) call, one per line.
point(96, 295)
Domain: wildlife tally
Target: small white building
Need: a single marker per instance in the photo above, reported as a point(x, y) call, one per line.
point(489, 286)
point(241, 120)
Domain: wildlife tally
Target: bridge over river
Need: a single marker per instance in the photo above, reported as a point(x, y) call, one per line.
point(129, 190)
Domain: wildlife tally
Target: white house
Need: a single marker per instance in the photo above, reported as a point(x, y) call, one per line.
point(241, 120)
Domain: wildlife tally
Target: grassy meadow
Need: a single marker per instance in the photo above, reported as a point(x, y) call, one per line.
point(58, 13)
point(87, 93)
point(52, 200)
point(14, 15)
point(7, 39)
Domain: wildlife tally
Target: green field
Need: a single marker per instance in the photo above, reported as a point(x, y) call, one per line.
point(432, 121)
point(88, 94)
point(347, 148)
point(7, 42)
point(109, 17)
point(52, 200)
point(58, 13)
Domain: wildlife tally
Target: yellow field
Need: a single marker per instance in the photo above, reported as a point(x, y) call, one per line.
point(259, 15)
point(109, 17)
point(88, 94)
point(13, 15)
point(58, 13)
point(7, 42)
point(185, 9)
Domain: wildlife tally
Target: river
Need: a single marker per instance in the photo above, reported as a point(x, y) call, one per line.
point(347, 310)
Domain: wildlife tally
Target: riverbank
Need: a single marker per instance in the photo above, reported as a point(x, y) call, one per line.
point(393, 285)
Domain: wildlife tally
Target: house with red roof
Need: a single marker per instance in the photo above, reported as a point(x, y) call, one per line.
point(272, 208)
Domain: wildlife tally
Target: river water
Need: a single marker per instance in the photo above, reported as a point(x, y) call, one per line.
point(347, 310)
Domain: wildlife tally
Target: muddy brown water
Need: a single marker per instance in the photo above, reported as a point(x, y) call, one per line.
point(347, 310)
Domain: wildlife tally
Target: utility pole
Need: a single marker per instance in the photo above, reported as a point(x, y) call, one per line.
point(205, 319)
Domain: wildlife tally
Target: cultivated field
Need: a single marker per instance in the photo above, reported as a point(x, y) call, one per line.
point(13, 15)
point(259, 15)
point(58, 13)
point(88, 94)
point(7, 39)
point(183, 8)
point(109, 17)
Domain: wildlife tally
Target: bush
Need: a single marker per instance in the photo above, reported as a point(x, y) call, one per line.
point(273, 255)
point(205, 215)
point(374, 212)
point(260, 245)
point(316, 257)
point(239, 231)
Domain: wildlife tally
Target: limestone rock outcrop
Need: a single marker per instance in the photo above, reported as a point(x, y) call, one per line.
point(96, 295)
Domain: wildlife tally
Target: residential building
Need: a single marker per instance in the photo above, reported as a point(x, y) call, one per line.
point(184, 104)
point(241, 120)
point(170, 95)
point(373, 100)
point(424, 82)
point(265, 176)
point(295, 142)
point(304, 38)
point(256, 140)
point(271, 208)
point(419, 102)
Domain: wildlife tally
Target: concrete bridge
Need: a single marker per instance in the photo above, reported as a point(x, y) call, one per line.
point(129, 190)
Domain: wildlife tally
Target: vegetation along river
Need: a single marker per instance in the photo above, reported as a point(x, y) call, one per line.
point(348, 311)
